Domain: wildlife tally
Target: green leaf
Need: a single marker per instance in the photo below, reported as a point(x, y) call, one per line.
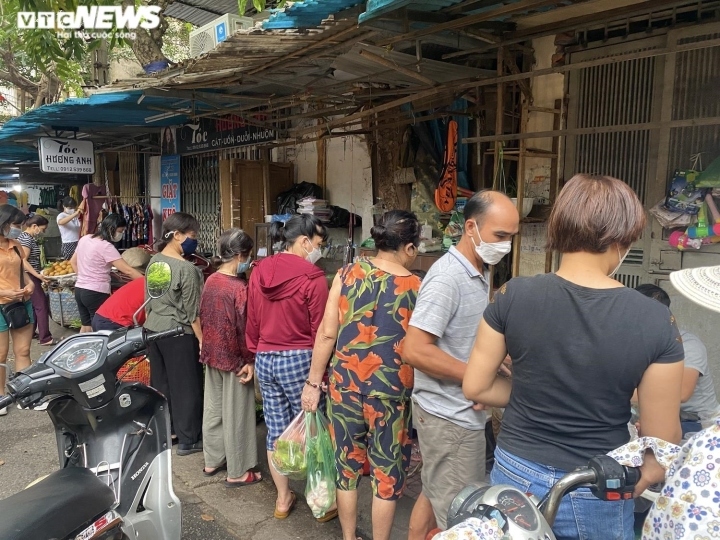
point(242, 6)
point(259, 5)
point(364, 346)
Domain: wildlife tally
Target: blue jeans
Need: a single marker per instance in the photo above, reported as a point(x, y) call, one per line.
point(581, 516)
point(690, 426)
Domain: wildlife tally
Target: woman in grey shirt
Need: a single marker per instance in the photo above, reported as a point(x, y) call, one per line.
point(175, 369)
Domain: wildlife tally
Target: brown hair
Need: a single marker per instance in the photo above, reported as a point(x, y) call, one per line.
point(593, 213)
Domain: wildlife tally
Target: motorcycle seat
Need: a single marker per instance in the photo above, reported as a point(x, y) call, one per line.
point(54, 508)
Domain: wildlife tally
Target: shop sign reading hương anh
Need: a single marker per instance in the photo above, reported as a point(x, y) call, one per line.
point(68, 156)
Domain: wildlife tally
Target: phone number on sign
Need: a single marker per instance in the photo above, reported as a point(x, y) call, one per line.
point(78, 170)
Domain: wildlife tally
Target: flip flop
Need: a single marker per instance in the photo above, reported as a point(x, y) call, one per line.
point(329, 516)
point(50, 343)
point(284, 515)
point(216, 470)
point(255, 479)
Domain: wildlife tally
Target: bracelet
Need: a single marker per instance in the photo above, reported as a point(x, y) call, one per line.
point(307, 381)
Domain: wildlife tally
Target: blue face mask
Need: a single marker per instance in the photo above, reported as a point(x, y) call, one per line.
point(244, 266)
point(14, 233)
point(189, 246)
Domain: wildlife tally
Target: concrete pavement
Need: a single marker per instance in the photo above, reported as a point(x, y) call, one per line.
point(28, 450)
point(249, 509)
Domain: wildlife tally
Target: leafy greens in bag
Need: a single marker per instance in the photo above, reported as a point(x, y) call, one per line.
point(289, 455)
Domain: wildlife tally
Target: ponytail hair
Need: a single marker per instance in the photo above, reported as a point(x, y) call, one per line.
point(68, 202)
point(295, 227)
point(177, 222)
point(231, 243)
point(109, 227)
point(36, 219)
point(395, 230)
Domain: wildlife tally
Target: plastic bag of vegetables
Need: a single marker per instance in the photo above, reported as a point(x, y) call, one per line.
point(321, 469)
point(289, 455)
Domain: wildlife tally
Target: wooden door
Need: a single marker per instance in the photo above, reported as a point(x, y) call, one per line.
point(249, 192)
point(281, 177)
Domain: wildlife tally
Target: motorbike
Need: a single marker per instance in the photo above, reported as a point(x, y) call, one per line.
point(523, 516)
point(113, 441)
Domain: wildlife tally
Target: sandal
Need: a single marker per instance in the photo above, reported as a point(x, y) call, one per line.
point(216, 470)
point(329, 516)
point(284, 515)
point(50, 343)
point(253, 478)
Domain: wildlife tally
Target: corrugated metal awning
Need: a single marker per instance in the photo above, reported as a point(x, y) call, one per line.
point(261, 63)
point(357, 65)
point(200, 12)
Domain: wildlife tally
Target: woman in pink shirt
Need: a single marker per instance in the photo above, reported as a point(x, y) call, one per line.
point(93, 260)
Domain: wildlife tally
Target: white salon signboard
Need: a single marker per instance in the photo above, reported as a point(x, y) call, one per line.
point(68, 156)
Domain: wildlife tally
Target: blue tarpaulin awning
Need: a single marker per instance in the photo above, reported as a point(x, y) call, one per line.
point(102, 112)
point(306, 13)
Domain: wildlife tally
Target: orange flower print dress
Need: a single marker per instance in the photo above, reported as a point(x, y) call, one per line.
point(370, 386)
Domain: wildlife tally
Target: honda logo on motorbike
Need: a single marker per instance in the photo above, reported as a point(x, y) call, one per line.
point(141, 469)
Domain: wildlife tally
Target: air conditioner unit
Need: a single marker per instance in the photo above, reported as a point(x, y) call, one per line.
point(207, 37)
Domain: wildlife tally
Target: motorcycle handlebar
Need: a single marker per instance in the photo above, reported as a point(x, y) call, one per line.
point(607, 479)
point(550, 505)
point(6, 401)
point(178, 331)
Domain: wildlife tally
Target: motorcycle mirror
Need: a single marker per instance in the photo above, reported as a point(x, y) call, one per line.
point(158, 277)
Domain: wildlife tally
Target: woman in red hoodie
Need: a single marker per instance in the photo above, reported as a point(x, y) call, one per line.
point(286, 302)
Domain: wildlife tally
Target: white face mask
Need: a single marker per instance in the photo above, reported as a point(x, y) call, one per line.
point(491, 253)
point(622, 259)
point(118, 236)
point(313, 256)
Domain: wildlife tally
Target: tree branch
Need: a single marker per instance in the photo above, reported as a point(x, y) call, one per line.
point(12, 75)
point(147, 44)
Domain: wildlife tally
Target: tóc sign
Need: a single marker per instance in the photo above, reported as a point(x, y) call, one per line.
point(66, 156)
point(214, 134)
point(169, 185)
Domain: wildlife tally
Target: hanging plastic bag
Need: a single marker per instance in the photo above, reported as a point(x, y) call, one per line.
point(321, 469)
point(289, 455)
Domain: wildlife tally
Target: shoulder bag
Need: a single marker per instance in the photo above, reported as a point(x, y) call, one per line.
point(15, 313)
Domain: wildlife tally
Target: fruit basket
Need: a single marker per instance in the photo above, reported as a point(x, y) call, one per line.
point(58, 269)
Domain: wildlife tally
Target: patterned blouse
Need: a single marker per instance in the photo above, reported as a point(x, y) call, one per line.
point(223, 309)
point(26, 240)
point(375, 309)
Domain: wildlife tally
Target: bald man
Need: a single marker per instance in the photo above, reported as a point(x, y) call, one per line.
point(450, 305)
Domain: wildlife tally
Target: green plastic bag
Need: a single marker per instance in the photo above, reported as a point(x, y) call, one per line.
point(321, 468)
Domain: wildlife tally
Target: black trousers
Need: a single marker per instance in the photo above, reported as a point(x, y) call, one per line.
point(101, 323)
point(175, 370)
point(88, 302)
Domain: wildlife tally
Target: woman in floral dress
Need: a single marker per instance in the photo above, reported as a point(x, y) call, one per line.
point(365, 322)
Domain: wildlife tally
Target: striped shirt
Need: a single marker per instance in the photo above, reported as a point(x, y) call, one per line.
point(450, 305)
point(29, 242)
